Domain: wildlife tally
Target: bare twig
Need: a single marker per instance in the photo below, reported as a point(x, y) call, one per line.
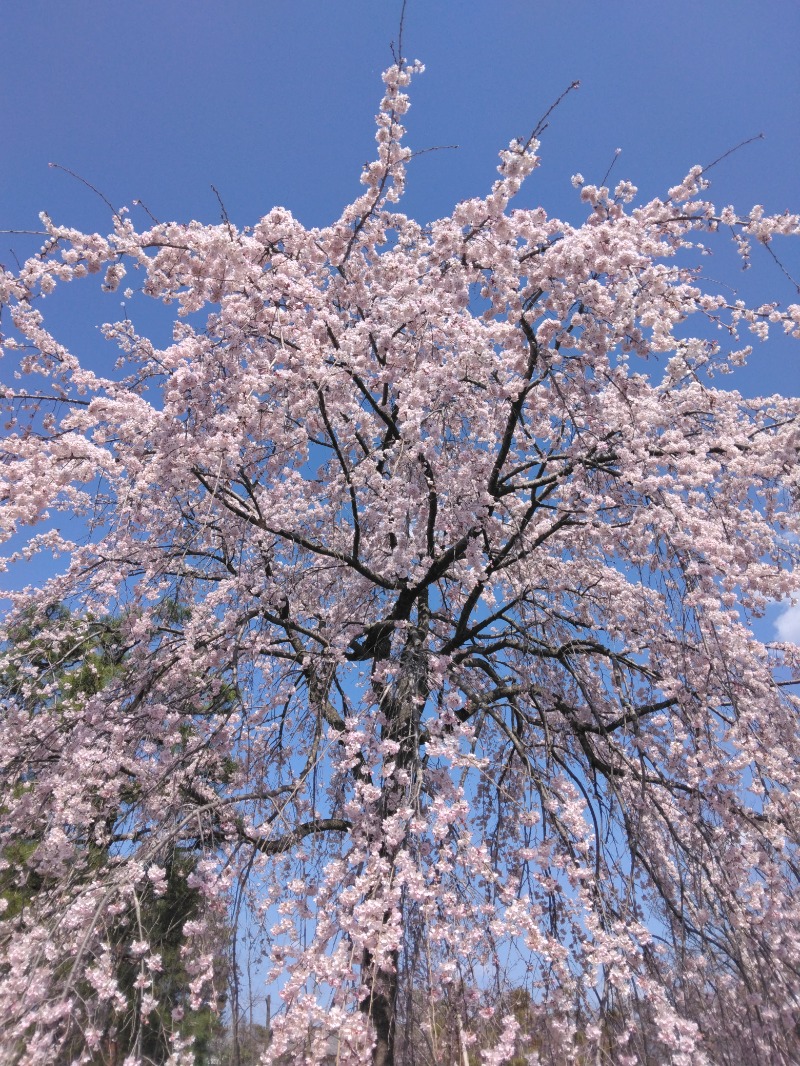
point(741, 144)
point(436, 148)
point(88, 184)
point(147, 211)
point(542, 124)
point(782, 268)
point(397, 52)
point(225, 218)
point(617, 154)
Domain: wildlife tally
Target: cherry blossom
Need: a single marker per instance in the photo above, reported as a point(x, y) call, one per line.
point(436, 550)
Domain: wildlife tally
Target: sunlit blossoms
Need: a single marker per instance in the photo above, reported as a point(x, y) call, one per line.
point(432, 554)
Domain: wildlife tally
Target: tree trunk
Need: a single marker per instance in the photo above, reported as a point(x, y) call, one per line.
point(463, 1054)
point(381, 1007)
point(401, 702)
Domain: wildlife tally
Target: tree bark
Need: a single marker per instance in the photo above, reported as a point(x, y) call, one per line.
point(381, 1007)
point(401, 702)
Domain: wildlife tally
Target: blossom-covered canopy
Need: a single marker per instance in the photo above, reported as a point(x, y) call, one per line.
point(434, 551)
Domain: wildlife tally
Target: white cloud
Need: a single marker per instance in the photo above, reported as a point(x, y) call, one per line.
point(787, 624)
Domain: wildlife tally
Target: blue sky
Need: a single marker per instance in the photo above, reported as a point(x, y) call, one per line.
point(272, 102)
